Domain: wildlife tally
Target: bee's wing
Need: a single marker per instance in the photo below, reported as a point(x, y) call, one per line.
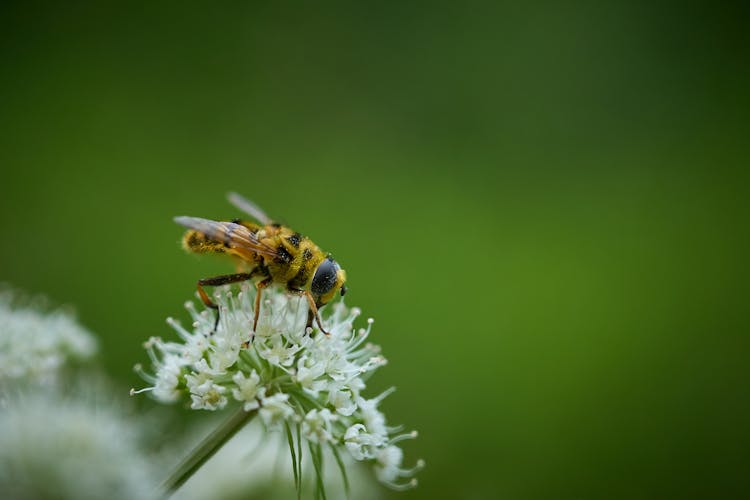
point(237, 237)
point(249, 208)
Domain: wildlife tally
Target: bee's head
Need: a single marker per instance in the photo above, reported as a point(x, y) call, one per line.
point(328, 279)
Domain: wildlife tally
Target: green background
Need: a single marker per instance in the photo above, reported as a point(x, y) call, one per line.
point(543, 206)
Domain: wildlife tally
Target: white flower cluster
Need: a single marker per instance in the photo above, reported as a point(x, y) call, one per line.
point(58, 437)
point(53, 446)
point(296, 377)
point(34, 345)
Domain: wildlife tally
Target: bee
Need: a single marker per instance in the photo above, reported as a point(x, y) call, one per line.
point(266, 252)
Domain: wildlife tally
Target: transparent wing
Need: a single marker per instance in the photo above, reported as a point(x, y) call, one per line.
point(249, 208)
point(235, 236)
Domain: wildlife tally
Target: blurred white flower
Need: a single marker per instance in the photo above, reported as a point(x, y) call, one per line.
point(54, 447)
point(34, 344)
point(295, 376)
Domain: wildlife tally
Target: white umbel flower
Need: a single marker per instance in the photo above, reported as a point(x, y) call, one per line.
point(296, 377)
point(34, 344)
point(56, 447)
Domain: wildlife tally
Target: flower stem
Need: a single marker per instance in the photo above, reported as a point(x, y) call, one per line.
point(206, 449)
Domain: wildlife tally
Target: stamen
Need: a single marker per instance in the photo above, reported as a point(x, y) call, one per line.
point(384, 395)
point(403, 486)
point(410, 472)
point(133, 392)
point(144, 375)
point(403, 437)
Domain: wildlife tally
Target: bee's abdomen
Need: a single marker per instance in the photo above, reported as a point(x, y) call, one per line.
point(197, 242)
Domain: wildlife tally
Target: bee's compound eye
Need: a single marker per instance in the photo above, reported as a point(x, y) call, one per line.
point(343, 290)
point(325, 277)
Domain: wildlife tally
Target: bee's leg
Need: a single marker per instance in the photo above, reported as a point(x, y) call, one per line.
point(261, 285)
point(310, 318)
point(312, 312)
point(218, 281)
point(314, 309)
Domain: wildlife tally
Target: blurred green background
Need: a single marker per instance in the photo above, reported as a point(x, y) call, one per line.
point(544, 206)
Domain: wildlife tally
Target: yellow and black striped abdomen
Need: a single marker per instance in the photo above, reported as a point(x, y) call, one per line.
point(198, 242)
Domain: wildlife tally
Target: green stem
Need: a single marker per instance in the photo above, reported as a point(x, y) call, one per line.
point(206, 449)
